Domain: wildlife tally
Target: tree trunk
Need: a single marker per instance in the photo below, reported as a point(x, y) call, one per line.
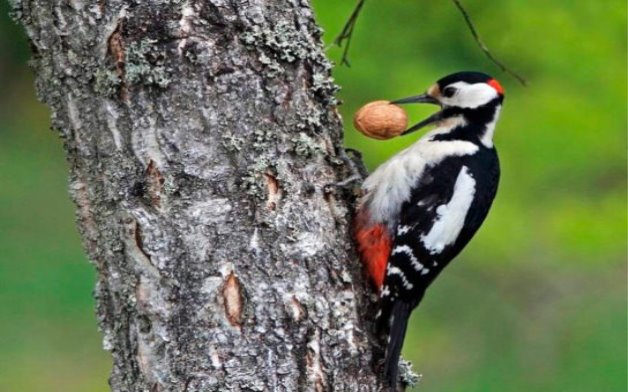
point(200, 136)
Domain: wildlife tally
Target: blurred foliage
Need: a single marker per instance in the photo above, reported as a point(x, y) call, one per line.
point(48, 335)
point(537, 301)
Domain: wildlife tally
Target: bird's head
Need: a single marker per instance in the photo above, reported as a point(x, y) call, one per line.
point(460, 93)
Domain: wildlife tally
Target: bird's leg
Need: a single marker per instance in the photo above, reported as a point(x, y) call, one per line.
point(348, 181)
point(356, 169)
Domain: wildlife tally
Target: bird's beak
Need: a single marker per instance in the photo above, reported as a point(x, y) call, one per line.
point(423, 98)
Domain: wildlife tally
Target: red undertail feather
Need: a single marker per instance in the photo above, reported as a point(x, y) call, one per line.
point(374, 243)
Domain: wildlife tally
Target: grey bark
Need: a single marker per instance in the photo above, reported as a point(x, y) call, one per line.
point(200, 136)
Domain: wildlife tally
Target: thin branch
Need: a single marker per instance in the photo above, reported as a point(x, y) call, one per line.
point(484, 48)
point(344, 38)
point(347, 33)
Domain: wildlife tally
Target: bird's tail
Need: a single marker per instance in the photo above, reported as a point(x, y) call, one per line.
point(399, 315)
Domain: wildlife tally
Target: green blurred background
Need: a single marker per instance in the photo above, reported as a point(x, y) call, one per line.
point(537, 302)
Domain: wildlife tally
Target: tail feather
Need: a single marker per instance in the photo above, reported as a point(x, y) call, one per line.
point(399, 315)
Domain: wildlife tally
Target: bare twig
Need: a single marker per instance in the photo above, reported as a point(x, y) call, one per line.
point(347, 33)
point(344, 38)
point(484, 48)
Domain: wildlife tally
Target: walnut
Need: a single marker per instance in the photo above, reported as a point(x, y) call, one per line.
point(380, 120)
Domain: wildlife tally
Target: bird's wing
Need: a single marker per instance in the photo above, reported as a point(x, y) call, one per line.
point(410, 264)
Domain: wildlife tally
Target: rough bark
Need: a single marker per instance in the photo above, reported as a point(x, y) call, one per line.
point(200, 136)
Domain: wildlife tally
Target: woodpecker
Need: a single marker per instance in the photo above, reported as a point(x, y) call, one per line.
point(419, 209)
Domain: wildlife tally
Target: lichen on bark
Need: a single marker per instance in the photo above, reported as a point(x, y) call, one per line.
point(201, 137)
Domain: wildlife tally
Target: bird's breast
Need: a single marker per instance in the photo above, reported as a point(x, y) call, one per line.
point(392, 183)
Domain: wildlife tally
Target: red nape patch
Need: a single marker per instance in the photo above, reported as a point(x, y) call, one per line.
point(495, 84)
point(374, 244)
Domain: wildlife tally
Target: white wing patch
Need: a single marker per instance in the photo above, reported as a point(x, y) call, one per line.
point(451, 216)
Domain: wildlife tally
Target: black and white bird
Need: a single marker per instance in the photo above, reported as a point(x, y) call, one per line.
point(420, 208)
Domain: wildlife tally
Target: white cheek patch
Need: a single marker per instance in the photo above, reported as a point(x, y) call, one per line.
point(470, 96)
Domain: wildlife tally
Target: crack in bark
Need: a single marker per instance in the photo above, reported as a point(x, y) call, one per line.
point(155, 183)
point(274, 191)
point(116, 50)
point(137, 234)
point(232, 296)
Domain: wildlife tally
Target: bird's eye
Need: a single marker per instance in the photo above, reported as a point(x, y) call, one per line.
point(449, 92)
